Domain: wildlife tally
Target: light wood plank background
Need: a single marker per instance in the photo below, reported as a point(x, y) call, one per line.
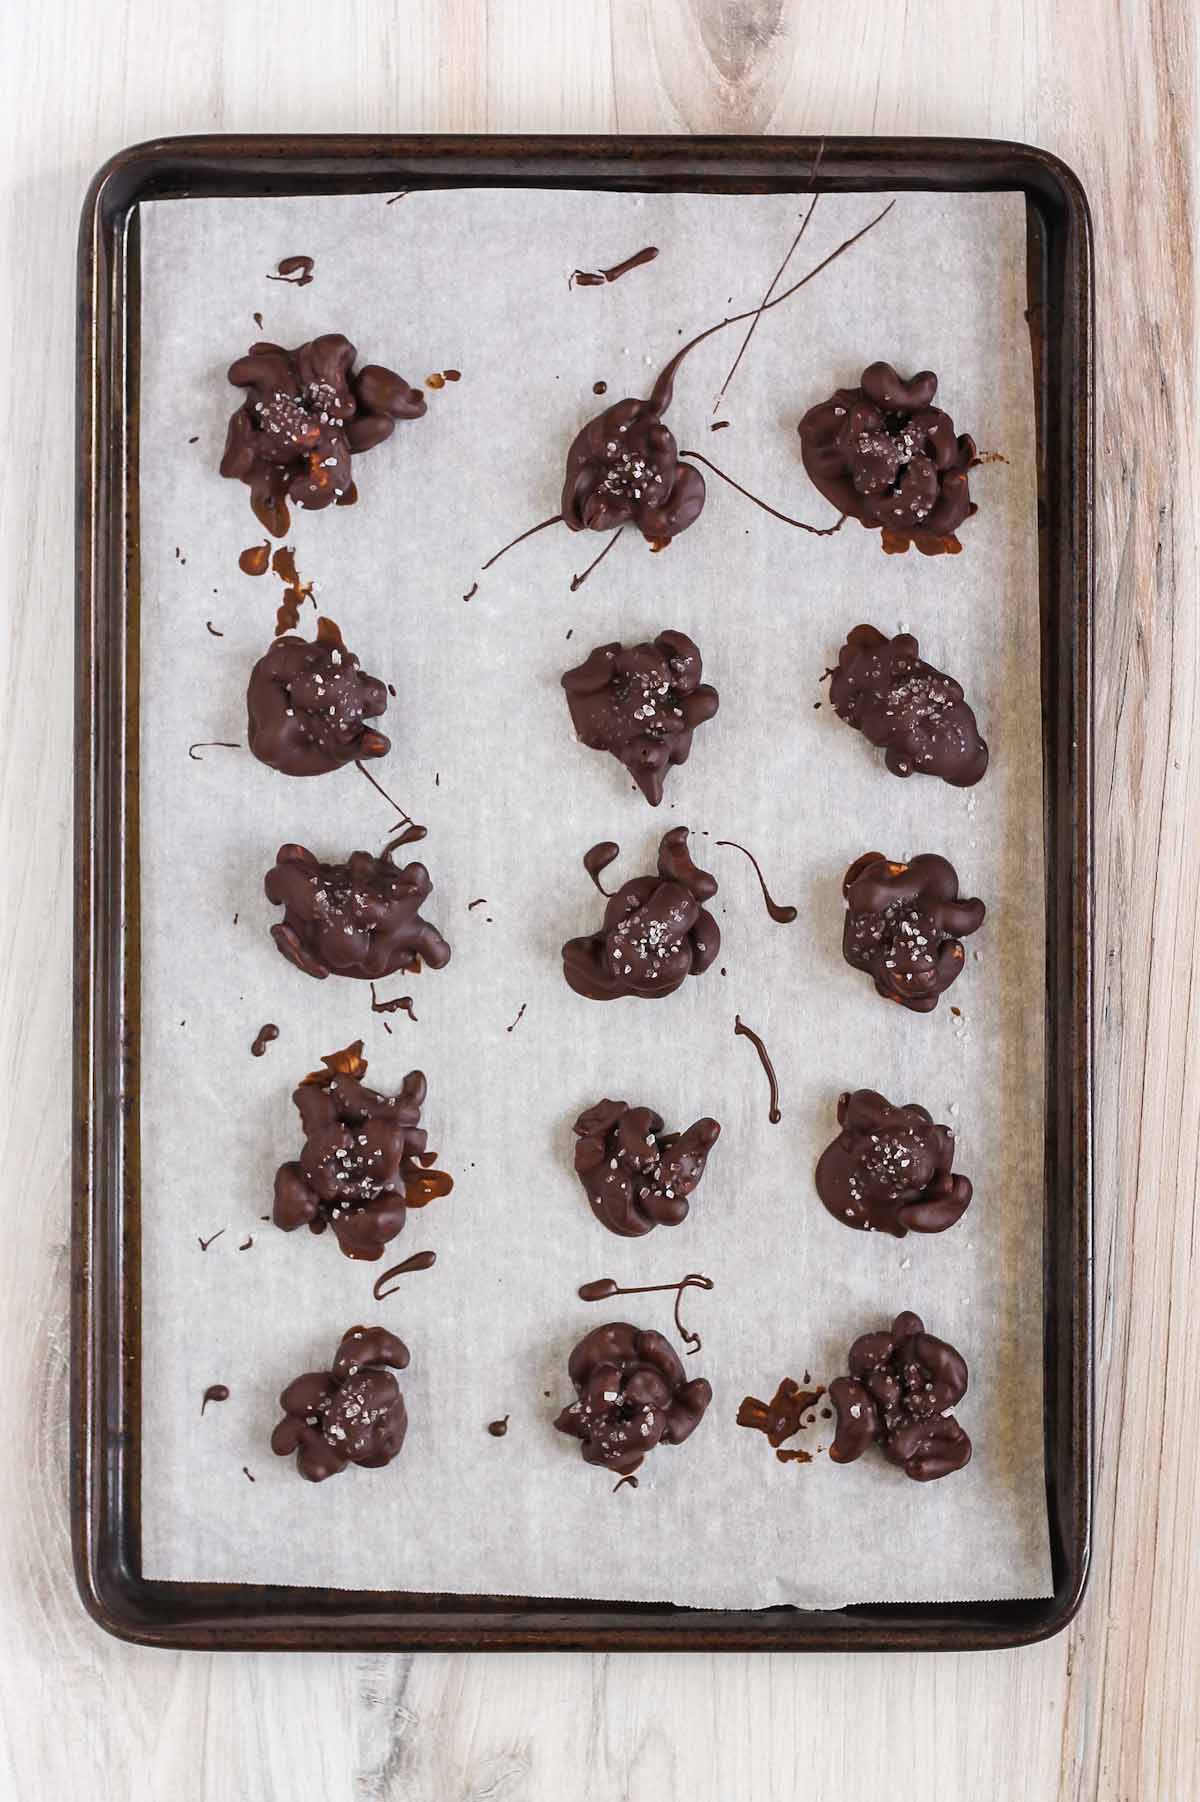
point(1108, 1710)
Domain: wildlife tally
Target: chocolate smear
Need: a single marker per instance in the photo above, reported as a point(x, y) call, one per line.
point(783, 1415)
point(266, 1036)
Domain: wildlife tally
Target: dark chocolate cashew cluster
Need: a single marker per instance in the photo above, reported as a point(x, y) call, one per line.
point(364, 1162)
point(623, 469)
point(307, 703)
point(352, 1413)
point(904, 926)
point(635, 1175)
point(642, 705)
point(358, 918)
point(884, 454)
point(914, 713)
point(305, 413)
point(631, 1395)
point(655, 931)
point(899, 1394)
point(888, 1170)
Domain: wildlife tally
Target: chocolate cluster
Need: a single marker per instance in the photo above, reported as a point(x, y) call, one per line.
point(352, 1413)
point(899, 1394)
point(915, 714)
point(885, 455)
point(623, 469)
point(305, 413)
point(307, 704)
point(358, 918)
point(888, 1170)
point(631, 1395)
point(904, 926)
point(656, 932)
point(635, 1175)
point(642, 705)
point(364, 1162)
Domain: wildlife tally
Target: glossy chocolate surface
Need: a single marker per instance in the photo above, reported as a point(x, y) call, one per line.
point(904, 926)
point(889, 1169)
point(359, 918)
point(642, 705)
point(914, 713)
point(655, 932)
point(635, 1175)
point(352, 1413)
point(631, 1395)
point(900, 1393)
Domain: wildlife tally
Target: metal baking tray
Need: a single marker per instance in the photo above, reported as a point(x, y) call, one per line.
point(105, 1366)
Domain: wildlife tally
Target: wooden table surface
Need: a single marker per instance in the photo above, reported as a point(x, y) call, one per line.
point(1108, 1709)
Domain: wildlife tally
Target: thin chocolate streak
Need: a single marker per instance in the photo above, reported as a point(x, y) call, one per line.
point(472, 590)
point(482, 902)
point(775, 278)
point(748, 1032)
point(795, 245)
point(621, 1482)
point(598, 859)
point(205, 1243)
point(518, 1019)
point(604, 1287)
point(209, 627)
point(402, 1004)
point(577, 582)
point(247, 1242)
point(402, 195)
point(420, 1260)
point(584, 278)
point(211, 744)
point(216, 1392)
point(784, 914)
point(800, 524)
point(520, 539)
point(417, 832)
point(246, 1473)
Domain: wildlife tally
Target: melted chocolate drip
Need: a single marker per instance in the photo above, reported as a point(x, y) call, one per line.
point(498, 1428)
point(209, 627)
point(748, 1032)
point(604, 1287)
point(782, 914)
point(255, 560)
point(597, 860)
point(584, 278)
point(266, 1035)
point(471, 591)
point(211, 1240)
point(481, 902)
point(519, 1018)
point(622, 1482)
point(578, 581)
point(216, 1392)
point(296, 271)
point(211, 744)
point(420, 1260)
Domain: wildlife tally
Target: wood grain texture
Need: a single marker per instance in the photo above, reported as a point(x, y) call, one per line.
point(1108, 1711)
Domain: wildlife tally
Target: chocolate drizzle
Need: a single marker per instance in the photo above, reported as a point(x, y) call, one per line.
point(604, 1287)
point(420, 1260)
point(211, 744)
point(597, 860)
point(584, 278)
point(296, 271)
point(747, 1032)
point(216, 1392)
point(266, 1035)
point(782, 913)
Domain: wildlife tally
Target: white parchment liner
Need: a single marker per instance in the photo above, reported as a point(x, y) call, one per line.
point(484, 754)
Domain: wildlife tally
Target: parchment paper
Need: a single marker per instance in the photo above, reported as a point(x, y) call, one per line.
point(485, 756)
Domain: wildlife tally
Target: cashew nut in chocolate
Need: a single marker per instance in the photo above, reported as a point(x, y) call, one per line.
point(631, 1395)
point(364, 1162)
point(904, 926)
point(913, 712)
point(358, 918)
point(888, 1170)
point(899, 1394)
point(655, 931)
point(883, 453)
point(307, 704)
point(642, 704)
point(635, 1175)
point(352, 1413)
point(306, 412)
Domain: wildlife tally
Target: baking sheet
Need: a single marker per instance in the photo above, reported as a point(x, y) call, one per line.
point(484, 754)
